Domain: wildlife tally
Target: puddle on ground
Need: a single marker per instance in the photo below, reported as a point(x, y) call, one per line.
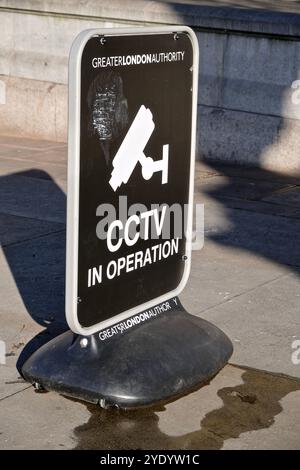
point(249, 406)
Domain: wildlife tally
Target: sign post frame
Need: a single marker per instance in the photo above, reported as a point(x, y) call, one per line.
point(71, 300)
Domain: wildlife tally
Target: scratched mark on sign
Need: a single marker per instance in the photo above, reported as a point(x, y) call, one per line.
point(108, 109)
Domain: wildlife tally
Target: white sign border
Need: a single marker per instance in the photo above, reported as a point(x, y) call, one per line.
point(71, 300)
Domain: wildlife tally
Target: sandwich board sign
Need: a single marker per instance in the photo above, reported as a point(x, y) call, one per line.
point(132, 119)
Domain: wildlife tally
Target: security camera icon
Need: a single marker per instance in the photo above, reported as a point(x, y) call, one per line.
point(131, 152)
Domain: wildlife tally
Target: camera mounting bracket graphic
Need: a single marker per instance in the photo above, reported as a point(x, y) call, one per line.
point(131, 152)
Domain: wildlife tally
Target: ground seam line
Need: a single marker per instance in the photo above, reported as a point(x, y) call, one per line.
point(242, 293)
point(15, 393)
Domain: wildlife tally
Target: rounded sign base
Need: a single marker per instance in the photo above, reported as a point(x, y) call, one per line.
point(135, 363)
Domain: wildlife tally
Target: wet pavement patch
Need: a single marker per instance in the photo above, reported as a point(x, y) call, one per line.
point(249, 406)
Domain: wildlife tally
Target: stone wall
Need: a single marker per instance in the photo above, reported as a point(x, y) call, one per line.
point(249, 59)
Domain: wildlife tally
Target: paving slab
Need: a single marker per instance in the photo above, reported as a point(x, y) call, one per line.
point(260, 207)
point(16, 153)
point(11, 382)
point(38, 169)
point(31, 196)
point(289, 197)
point(48, 155)
point(33, 144)
point(261, 235)
point(34, 276)
point(221, 186)
point(249, 189)
point(239, 405)
point(262, 324)
point(39, 421)
point(21, 341)
point(218, 275)
point(15, 229)
point(252, 172)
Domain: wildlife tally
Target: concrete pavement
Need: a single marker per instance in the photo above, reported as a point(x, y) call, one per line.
point(245, 280)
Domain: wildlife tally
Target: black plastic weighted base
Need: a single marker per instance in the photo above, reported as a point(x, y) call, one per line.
point(151, 362)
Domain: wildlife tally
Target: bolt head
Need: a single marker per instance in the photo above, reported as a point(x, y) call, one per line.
point(84, 342)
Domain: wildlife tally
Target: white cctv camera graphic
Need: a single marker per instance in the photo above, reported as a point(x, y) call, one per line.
point(131, 151)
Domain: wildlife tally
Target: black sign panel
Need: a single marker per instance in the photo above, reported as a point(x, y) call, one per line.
point(135, 154)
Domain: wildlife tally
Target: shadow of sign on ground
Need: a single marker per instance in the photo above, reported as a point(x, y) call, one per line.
point(32, 236)
point(262, 210)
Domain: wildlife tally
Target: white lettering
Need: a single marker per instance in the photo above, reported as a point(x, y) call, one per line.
point(112, 226)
